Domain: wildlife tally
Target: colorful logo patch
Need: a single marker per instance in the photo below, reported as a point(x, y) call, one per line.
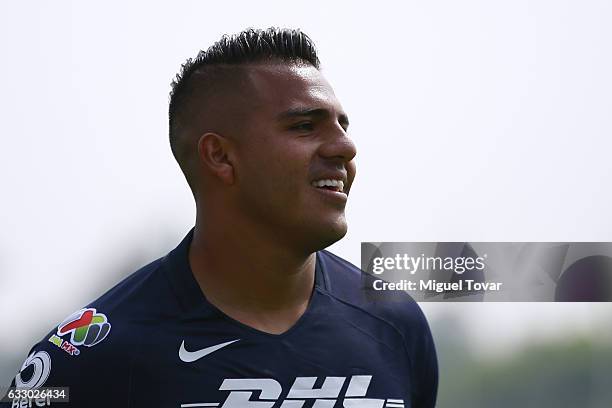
point(86, 327)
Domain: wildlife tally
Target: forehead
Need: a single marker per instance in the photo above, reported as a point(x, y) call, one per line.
point(278, 87)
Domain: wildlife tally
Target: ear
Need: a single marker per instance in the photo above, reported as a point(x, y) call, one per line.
point(214, 153)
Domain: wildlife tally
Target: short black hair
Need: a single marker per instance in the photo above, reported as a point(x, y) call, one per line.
point(249, 46)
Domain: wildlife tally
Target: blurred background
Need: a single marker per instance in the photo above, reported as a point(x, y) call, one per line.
point(474, 121)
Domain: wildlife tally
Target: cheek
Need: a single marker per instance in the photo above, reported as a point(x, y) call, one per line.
point(277, 178)
point(274, 171)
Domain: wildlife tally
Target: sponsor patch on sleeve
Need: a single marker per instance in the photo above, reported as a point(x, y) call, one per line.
point(34, 371)
point(85, 327)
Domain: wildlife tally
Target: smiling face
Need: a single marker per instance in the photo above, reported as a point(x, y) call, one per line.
point(294, 166)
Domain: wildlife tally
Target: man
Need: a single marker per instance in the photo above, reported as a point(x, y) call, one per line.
point(248, 311)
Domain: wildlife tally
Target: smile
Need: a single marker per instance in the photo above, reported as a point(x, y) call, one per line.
point(329, 184)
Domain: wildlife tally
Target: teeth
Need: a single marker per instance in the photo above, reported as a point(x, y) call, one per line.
point(339, 184)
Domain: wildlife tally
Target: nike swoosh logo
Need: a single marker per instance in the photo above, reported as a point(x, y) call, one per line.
point(191, 356)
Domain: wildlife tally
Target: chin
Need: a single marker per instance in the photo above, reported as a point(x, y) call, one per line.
point(324, 235)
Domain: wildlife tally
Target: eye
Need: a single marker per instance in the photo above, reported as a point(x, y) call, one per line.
point(303, 126)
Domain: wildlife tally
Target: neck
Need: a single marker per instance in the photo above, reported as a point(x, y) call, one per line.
point(250, 275)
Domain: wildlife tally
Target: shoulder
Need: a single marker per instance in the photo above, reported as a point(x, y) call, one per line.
point(93, 349)
point(350, 284)
point(118, 319)
point(122, 314)
point(395, 309)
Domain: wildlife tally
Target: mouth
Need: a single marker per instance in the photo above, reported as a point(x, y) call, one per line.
point(331, 187)
point(329, 184)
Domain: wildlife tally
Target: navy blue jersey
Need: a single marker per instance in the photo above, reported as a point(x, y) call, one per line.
point(154, 341)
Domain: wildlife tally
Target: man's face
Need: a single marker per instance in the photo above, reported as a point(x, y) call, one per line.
point(295, 161)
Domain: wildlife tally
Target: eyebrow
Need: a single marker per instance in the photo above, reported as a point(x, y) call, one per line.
point(320, 113)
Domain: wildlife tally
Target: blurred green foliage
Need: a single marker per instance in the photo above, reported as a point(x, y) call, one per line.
point(566, 372)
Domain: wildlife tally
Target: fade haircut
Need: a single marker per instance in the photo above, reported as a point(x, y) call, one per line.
point(198, 75)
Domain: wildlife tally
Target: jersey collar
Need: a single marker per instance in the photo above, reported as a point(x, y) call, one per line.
point(178, 271)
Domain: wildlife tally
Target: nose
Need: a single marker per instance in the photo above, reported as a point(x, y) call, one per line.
point(338, 145)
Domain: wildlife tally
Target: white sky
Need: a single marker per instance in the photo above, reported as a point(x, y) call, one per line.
point(474, 121)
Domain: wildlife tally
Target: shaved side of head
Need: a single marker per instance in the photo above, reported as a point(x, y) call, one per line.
point(218, 101)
